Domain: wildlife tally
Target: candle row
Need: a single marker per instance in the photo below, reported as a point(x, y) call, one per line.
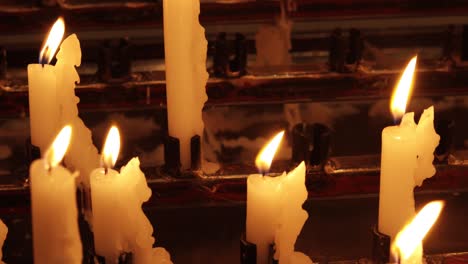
point(118, 222)
point(407, 156)
point(274, 204)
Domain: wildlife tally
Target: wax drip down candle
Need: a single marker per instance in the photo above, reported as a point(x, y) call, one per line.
point(56, 237)
point(82, 154)
point(185, 48)
point(407, 242)
point(119, 223)
point(274, 208)
point(407, 156)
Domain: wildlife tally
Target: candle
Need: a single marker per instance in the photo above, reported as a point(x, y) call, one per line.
point(119, 224)
point(56, 237)
point(408, 240)
point(274, 208)
point(292, 216)
point(186, 76)
point(407, 155)
point(43, 106)
point(52, 101)
point(3, 235)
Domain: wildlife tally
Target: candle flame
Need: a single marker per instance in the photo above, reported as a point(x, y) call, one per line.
point(52, 42)
point(412, 234)
point(111, 148)
point(57, 150)
point(265, 156)
point(403, 90)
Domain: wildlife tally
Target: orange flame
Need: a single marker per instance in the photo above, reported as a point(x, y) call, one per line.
point(57, 150)
point(111, 148)
point(412, 234)
point(265, 156)
point(49, 48)
point(403, 90)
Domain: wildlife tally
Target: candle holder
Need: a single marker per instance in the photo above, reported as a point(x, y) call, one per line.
point(3, 63)
point(355, 47)
point(124, 258)
point(446, 130)
point(104, 61)
point(380, 247)
point(171, 155)
point(114, 60)
point(337, 52)
point(311, 142)
point(195, 152)
point(220, 56)
point(248, 252)
point(224, 49)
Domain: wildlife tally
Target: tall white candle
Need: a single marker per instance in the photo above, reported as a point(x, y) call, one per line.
point(186, 76)
point(119, 223)
point(274, 209)
point(56, 237)
point(407, 155)
point(43, 106)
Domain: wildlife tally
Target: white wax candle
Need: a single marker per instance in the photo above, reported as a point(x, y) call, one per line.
point(407, 155)
point(275, 214)
point(106, 209)
point(119, 223)
point(43, 107)
point(56, 237)
point(186, 76)
point(292, 216)
point(274, 209)
point(263, 198)
point(42, 89)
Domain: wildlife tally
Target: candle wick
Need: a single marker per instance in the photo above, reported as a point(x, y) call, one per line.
point(106, 170)
point(49, 167)
point(42, 59)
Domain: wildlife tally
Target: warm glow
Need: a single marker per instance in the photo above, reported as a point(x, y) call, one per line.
point(53, 41)
point(412, 235)
point(111, 148)
point(265, 156)
point(57, 150)
point(403, 90)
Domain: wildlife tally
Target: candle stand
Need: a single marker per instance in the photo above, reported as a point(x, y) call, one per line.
point(248, 252)
point(172, 155)
point(340, 80)
point(311, 142)
point(380, 247)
